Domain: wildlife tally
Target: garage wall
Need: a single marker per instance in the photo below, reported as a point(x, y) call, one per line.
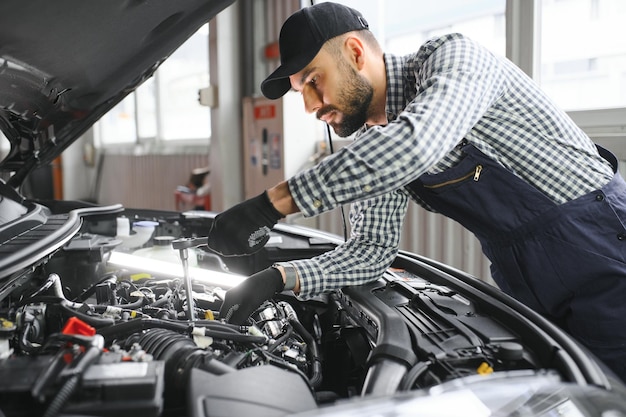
point(145, 181)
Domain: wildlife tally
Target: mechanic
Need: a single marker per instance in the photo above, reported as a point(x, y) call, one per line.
point(463, 133)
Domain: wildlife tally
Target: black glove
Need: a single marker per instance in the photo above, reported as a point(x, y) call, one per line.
point(245, 228)
point(241, 301)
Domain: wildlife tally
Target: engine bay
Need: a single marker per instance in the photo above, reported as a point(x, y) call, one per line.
point(91, 330)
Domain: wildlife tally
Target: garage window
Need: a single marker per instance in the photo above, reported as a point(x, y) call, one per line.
point(403, 25)
point(165, 108)
point(583, 53)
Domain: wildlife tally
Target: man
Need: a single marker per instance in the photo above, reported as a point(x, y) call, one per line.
point(461, 132)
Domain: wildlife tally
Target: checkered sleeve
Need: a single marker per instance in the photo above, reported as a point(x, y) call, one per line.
point(373, 244)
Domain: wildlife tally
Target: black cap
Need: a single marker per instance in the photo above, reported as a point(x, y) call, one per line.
point(303, 35)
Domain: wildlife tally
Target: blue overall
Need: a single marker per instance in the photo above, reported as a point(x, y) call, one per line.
point(566, 262)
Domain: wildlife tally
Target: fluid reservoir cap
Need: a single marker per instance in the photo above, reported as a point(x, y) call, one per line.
point(146, 223)
point(162, 249)
point(162, 240)
point(510, 351)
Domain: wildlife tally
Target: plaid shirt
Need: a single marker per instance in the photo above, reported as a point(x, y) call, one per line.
point(449, 90)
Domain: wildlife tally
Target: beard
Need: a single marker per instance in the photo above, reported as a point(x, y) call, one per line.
point(354, 100)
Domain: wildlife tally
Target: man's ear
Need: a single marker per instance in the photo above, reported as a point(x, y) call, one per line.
point(355, 51)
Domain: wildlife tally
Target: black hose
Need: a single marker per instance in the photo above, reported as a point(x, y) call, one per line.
point(315, 379)
point(132, 306)
point(137, 325)
point(280, 340)
point(165, 298)
point(235, 337)
point(64, 394)
point(101, 308)
point(92, 353)
point(414, 373)
point(220, 324)
point(92, 288)
point(97, 322)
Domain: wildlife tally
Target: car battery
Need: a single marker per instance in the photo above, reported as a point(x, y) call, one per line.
point(123, 389)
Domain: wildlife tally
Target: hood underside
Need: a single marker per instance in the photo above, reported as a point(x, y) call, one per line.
point(65, 63)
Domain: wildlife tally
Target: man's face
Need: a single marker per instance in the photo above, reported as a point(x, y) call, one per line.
point(354, 95)
point(335, 91)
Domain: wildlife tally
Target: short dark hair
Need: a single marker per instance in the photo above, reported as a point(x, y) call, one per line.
point(333, 46)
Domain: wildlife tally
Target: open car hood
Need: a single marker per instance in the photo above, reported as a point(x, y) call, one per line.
point(65, 63)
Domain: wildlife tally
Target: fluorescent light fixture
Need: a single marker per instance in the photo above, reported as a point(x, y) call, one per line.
point(163, 269)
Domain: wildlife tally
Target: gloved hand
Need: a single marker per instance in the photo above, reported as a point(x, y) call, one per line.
point(244, 228)
point(241, 301)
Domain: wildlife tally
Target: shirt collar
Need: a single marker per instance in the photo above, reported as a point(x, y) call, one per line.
point(395, 85)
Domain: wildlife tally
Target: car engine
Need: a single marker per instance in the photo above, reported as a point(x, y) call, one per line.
point(82, 334)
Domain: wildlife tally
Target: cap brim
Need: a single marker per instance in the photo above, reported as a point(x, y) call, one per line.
point(277, 84)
